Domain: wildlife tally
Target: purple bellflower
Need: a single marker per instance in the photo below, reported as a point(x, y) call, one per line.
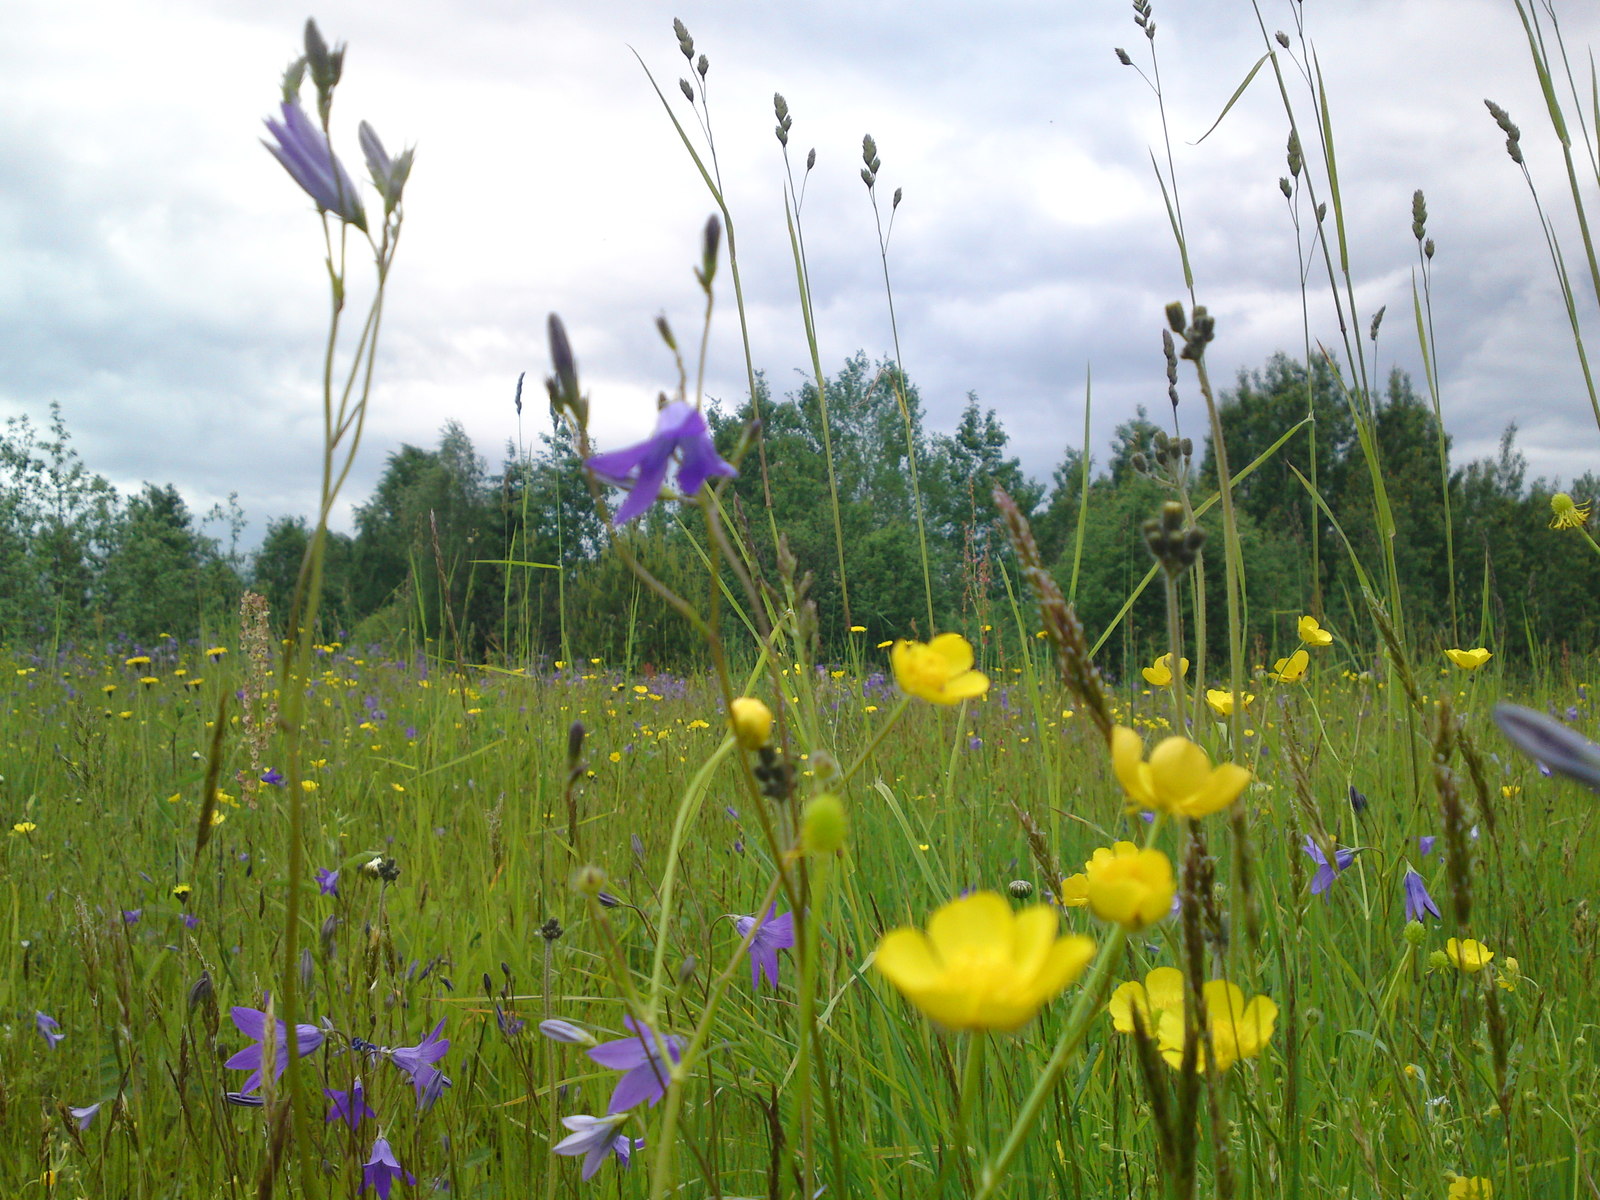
point(327, 882)
point(643, 1060)
point(1550, 743)
point(565, 1031)
point(595, 1138)
point(1425, 843)
point(417, 1062)
point(1418, 901)
point(388, 174)
point(382, 1169)
point(350, 1107)
point(304, 152)
point(84, 1115)
point(49, 1028)
point(510, 1024)
point(642, 469)
point(1326, 872)
point(252, 1022)
point(772, 933)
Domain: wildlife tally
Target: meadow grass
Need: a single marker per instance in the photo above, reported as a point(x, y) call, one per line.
point(460, 782)
point(566, 840)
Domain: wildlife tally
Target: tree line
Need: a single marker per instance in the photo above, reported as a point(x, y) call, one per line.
point(512, 563)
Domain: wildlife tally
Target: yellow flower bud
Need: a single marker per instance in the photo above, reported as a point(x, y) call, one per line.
point(751, 721)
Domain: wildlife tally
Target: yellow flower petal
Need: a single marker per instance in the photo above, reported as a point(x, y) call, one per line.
point(1075, 890)
point(1222, 789)
point(1178, 768)
point(1164, 986)
point(907, 959)
point(955, 650)
point(1128, 765)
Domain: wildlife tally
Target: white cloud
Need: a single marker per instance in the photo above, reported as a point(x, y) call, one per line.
point(165, 283)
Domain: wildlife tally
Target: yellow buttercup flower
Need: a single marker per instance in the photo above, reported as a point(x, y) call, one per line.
point(1291, 669)
point(939, 671)
point(1159, 673)
point(1565, 513)
point(1238, 1029)
point(1469, 660)
point(1129, 886)
point(1475, 1187)
point(1222, 701)
point(1468, 955)
point(1313, 634)
point(1509, 974)
point(1178, 778)
point(980, 965)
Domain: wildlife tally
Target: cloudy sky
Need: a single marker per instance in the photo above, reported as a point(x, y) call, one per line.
point(162, 277)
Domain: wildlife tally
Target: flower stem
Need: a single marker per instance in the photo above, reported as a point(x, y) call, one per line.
point(971, 1077)
point(661, 1165)
point(688, 808)
point(1083, 1012)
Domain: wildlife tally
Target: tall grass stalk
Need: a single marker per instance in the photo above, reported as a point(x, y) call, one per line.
point(869, 175)
point(793, 202)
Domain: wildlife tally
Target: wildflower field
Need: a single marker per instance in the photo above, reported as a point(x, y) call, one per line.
point(972, 909)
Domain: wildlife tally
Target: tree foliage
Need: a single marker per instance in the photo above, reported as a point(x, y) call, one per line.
point(515, 563)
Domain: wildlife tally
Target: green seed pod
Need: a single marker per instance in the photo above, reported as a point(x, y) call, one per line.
point(824, 825)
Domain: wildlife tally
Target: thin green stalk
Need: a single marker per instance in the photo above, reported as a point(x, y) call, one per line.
point(1083, 493)
point(349, 419)
point(1422, 310)
point(1233, 555)
point(693, 796)
point(905, 405)
point(971, 1081)
point(711, 178)
point(1084, 1012)
point(803, 281)
point(1180, 690)
point(666, 1133)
